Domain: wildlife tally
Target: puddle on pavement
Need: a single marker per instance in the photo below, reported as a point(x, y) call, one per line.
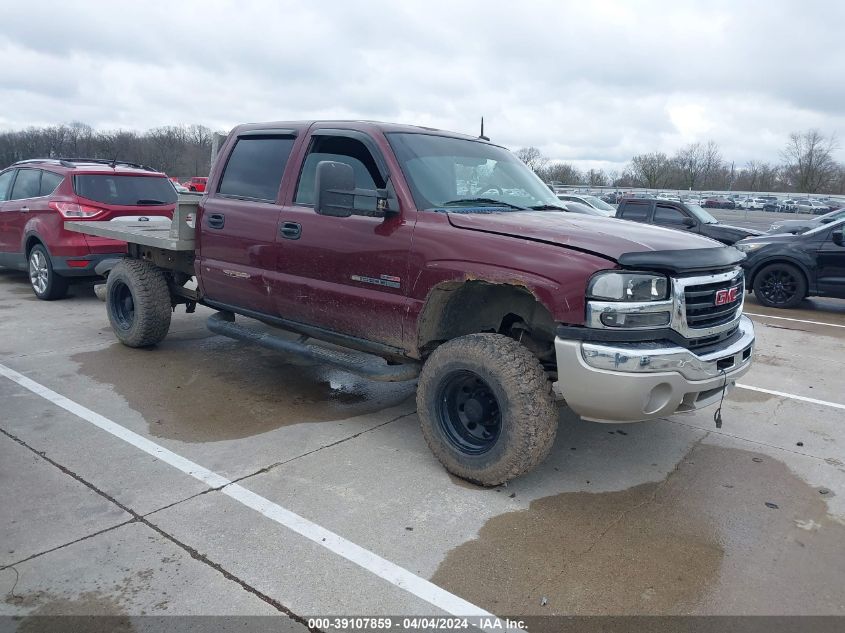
point(215, 389)
point(91, 612)
point(747, 395)
point(766, 359)
point(699, 539)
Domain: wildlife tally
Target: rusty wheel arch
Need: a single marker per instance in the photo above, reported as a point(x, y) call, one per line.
point(459, 308)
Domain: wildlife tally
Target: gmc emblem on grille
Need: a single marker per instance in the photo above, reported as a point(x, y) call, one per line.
point(727, 296)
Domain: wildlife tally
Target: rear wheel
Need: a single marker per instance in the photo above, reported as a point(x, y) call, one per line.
point(780, 286)
point(46, 284)
point(138, 303)
point(486, 408)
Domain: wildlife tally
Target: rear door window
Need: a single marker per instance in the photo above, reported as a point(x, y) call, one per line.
point(255, 168)
point(49, 182)
point(125, 190)
point(27, 184)
point(636, 211)
point(6, 179)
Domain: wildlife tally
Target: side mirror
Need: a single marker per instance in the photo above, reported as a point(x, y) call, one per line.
point(838, 238)
point(689, 222)
point(826, 220)
point(334, 189)
point(335, 193)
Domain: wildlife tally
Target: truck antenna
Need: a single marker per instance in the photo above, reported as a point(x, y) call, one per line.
point(481, 136)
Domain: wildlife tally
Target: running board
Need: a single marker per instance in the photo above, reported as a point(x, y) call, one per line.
point(371, 367)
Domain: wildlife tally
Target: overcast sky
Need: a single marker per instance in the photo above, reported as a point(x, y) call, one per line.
point(593, 82)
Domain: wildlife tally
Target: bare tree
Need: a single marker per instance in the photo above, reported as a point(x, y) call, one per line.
point(689, 161)
point(561, 172)
point(714, 172)
point(652, 169)
point(532, 157)
point(596, 178)
point(808, 160)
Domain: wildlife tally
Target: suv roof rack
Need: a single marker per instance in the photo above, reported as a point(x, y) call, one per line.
point(52, 161)
point(73, 162)
point(106, 161)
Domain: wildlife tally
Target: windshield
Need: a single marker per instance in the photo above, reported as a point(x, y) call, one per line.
point(123, 190)
point(458, 174)
point(701, 214)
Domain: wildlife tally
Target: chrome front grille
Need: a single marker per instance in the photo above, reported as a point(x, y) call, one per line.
point(697, 316)
point(701, 305)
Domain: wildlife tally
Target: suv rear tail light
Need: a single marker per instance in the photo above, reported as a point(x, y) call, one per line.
point(74, 210)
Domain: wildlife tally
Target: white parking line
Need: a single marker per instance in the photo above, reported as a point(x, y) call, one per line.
point(793, 396)
point(381, 567)
point(768, 316)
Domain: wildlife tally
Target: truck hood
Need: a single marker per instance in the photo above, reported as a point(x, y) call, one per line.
point(606, 237)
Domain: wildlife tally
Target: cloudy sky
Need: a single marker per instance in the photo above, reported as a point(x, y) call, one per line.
point(593, 82)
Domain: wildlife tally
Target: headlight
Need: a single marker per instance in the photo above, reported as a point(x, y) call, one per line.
point(620, 286)
point(774, 227)
point(749, 246)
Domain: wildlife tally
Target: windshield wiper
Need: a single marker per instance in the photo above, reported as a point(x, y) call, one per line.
point(149, 201)
point(486, 201)
point(546, 207)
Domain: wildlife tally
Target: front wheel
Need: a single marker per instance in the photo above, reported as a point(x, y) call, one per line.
point(780, 286)
point(486, 408)
point(138, 303)
point(46, 284)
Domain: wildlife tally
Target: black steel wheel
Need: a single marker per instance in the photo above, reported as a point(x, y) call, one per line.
point(123, 305)
point(469, 413)
point(780, 285)
point(486, 408)
point(138, 303)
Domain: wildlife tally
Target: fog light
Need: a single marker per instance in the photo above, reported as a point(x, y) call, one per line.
point(631, 320)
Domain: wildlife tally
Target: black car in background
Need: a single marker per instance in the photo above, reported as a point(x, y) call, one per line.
point(783, 269)
point(682, 216)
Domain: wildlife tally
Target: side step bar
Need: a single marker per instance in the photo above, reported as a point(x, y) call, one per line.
point(371, 367)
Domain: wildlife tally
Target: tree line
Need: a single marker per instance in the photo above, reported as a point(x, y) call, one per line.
point(807, 165)
point(177, 150)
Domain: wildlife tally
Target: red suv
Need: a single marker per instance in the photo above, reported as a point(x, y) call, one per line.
point(197, 183)
point(37, 196)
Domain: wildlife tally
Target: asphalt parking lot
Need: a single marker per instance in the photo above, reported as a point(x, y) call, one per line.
point(206, 477)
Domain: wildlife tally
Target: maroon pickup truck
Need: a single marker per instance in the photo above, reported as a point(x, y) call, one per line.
point(421, 254)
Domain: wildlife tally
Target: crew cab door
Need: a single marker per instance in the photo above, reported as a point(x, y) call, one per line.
point(831, 263)
point(238, 222)
point(635, 210)
point(347, 275)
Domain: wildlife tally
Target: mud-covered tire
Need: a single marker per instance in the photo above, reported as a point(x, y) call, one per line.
point(513, 377)
point(138, 303)
point(780, 285)
point(45, 282)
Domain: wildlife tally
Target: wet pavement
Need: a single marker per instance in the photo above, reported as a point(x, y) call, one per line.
point(666, 517)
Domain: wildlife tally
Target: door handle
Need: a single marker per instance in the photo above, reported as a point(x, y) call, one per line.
point(291, 230)
point(24, 209)
point(216, 221)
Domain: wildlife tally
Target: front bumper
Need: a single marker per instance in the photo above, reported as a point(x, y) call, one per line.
point(629, 382)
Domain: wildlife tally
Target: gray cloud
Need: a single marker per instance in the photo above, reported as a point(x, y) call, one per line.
point(589, 82)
